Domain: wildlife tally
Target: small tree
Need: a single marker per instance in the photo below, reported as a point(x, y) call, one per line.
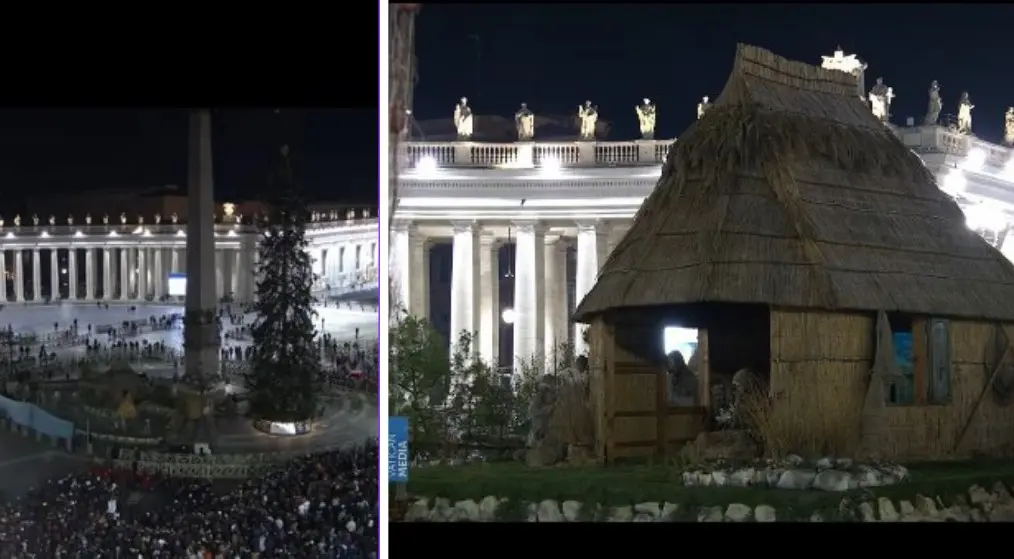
point(284, 379)
point(420, 374)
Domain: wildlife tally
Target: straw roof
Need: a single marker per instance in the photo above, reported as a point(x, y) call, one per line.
point(789, 192)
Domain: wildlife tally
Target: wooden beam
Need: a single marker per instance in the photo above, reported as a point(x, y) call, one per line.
point(921, 362)
point(661, 413)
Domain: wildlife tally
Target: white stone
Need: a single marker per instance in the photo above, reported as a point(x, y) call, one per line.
point(908, 512)
point(467, 510)
point(532, 512)
point(765, 513)
point(925, 506)
point(869, 477)
point(710, 514)
point(866, 512)
point(887, 511)
point(705, 479)
point(549, 511)
point(720, 478)
point(418, 511)
point(487, 508)
point(844, 463)
point(643, 517)
point(796, 479)
point(621, 514)
point(669, 510)
point(571, 510)
point(825, 464)
point(793, 460)
point(979, 496)
point(690, 479)
point(442, 510)
point(651, 508)
point(742, 478)
point(832, 480)
point(816, 517)
point(737, 512)
point(772, 475)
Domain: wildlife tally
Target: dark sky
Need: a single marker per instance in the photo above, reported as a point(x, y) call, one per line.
point(555, 56)
point(47, 150)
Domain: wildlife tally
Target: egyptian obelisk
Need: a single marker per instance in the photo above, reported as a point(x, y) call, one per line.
point(200, 334)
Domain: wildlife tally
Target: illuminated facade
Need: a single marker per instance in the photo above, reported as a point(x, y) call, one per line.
point(551, 199)
point(129, 260)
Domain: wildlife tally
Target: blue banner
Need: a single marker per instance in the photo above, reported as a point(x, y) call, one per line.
point(397, 449)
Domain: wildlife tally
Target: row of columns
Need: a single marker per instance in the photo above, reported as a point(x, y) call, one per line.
point(540, 309)
point(340, 265)
point(128, 273)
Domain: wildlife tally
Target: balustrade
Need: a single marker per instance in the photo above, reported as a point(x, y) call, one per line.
point(535, 154)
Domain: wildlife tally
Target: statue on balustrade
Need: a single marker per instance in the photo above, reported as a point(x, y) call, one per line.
point(1008, 127)
point(158, 219)
point(965, 107)
point(463, 119)
point(935, 104)
point(646, 118)
point(123, 218)
point(35, 219)
point(17, 220)
point(105, 219)
point(174, 218)
point(524, 119)
point(703, 107)
point(588, 116)
point(88, 219)
point(52, 219)
point(880, 100)
point(70, 220)
point(140, 219)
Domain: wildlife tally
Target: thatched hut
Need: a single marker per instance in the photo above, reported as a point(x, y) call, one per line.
point(789, 227)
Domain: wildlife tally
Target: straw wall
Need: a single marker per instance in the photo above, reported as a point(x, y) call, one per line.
point(819, 378)
point(820, 363)
point(932, 431)
point(629, 396)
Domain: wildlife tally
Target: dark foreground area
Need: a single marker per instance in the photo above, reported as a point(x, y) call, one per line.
point(322, 505)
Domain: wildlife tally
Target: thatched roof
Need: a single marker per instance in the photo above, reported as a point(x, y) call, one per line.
point(789, 192)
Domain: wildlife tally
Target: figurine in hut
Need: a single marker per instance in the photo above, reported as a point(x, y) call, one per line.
point(682, 381)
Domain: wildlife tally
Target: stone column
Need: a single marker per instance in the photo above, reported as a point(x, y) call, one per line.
point(200, 332)
point(158, 274)
point(142, 273)
point(228, 271)
point(72, 273)
point(404, 269)
point(36, 275)
point(54, 275)
point(133, 283)
point(219, 275)
point(124, 274)
point(107, 274)
point(465, 284)
point(3, 276)
point(19, 276)
point(174, 264)
point(489, 299)
point(556, 301)
point(591, 251)
point(90, 274)
point(236, 276)
point(529, 300)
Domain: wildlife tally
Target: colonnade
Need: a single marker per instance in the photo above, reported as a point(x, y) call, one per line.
point(114, 273)
point(539, 314)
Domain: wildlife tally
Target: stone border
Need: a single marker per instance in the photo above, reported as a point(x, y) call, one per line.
point(980, 505)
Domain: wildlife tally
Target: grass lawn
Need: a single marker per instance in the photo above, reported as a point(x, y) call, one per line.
point(631, 484)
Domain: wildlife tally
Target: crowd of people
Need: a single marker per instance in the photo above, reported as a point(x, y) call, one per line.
point(319, 506)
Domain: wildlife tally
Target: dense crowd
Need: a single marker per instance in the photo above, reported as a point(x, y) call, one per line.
point(319, 506)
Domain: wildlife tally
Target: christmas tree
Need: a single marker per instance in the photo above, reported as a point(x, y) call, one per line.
point(284, 381)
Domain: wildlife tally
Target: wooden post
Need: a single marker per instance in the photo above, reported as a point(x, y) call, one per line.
point(704, 374)
point(661, 414)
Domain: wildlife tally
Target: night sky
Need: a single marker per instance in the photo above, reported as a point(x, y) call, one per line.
point(556, 56)
point(73, 150)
